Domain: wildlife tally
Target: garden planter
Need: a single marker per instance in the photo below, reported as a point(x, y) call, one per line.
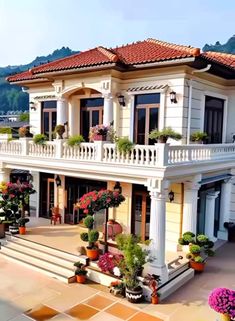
point(225, 317)
point(93, 254)
point(154, 299)
point(22, 230)
point(81, 278)
point(197, 266)
point(134, 296)
point(2, 231)
point(100, 137)
point(162, 140)
point(13, 229)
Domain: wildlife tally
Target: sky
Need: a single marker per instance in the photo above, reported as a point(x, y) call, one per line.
point(30, 28)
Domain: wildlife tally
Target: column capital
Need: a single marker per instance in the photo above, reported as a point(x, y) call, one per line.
point(61, 99)
point(192, 185)
point(212, 195)
point(107, 95)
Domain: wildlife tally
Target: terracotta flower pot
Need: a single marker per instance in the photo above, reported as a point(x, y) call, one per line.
point(154, 299)
point(22, 230)
point(93, 254)
point(81, 278)
point(225, 317)
point(197, 266)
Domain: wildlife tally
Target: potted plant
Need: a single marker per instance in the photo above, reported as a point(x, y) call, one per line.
point(75, 140)
point(99, 132)
point(198, 137)
point(124, 145)
point(60, 130)
point(198, 245)
point(39, 139)
point(24, 131)
point(152, 281)
point(91, 237)
point(5, 133)
point(222, 301)
point(21, 223)
point(80, 272)
point(162, 135)
point(117, 288)
point(134, 258)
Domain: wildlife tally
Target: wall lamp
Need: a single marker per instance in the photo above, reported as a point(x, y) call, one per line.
point(32, 106)
point(58, 181)
point(118, 188)
point(171, 196)
point(121, 100)
point(173, 97)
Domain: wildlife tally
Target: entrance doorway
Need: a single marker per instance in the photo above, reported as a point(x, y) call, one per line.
point(48, 118)
point(47, 195)
point(140, 212)
point(201, 207)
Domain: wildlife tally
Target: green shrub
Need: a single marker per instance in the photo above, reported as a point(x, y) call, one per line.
point(209, 245)
point(201, 238)
point(75, 140)
point(198, 259)
point(189, 233)
point(188, 239)
point(84, 237)
point(93, 236)
point(39, 139)
point(181, 241)
point(88, 221)
point(194, 248)
point(124, 145)
point(5, 130)
point(198, 136)
point(209, 252)
point(163, 135)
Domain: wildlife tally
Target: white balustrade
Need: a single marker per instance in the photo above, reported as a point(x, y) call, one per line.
point(42, 150)
point(12, 147)
point(86, 152)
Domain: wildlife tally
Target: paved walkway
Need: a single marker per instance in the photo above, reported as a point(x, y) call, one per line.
point(27, 295)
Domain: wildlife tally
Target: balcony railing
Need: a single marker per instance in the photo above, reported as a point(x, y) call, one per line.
point(158, 155)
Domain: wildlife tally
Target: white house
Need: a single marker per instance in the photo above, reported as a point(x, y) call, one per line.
point(130, 86)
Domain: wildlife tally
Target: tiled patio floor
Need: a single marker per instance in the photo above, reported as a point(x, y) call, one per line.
point(27, 295)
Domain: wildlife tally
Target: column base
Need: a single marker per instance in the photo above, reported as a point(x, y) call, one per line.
point(162, 271)
point(222, 235)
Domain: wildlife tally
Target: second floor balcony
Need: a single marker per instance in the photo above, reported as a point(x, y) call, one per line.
point(156, 160)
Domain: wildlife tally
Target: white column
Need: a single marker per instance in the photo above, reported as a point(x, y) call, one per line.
point(210, 214)
point(190, 206)
point(108, 109)
point(225, 200)
point(157, 234)
point(62, 111)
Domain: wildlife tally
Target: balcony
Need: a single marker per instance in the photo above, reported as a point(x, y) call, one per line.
point(147, 157)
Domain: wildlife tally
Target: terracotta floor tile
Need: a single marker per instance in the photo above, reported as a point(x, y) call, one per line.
point(99, 302)
point(141, 316)
point(41, 313)
point(82, 312)
point(121, 311)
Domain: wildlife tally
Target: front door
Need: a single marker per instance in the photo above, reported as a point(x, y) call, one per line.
point(141, 213)
point(91, 115)
point(47, 195)
point(213, 124)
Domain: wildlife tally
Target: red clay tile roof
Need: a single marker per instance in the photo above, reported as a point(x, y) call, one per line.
point(223, 58)
point(142, 52)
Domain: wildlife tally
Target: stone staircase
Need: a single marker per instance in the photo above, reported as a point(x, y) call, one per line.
point(50, 261)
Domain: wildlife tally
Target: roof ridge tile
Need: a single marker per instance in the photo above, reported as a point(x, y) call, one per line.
point(113, 57)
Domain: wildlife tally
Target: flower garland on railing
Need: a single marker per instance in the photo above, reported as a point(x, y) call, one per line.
point(97, 200)
point(222, 300)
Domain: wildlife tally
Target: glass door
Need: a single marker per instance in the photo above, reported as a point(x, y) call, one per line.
point(141, 214)
point(47, 195)
point(48, 118)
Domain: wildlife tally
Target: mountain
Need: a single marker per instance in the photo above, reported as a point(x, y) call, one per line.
point(11, 96)
point(228, 47)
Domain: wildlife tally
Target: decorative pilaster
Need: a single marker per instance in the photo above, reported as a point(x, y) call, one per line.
point(190, 206)
point(108, 109)
point(62, 111)
point(4, 174)
point(210, 214)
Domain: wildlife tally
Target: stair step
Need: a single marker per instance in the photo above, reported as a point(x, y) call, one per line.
point(34, 253)
point(65, 279)
point(97, 276)
point(44, 249)
point(37, 262)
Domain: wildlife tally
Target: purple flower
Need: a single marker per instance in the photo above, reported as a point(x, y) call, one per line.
point(222, 300)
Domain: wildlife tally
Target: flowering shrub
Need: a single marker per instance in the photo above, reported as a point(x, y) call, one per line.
point(97, 200)
point(108, 262)
point(222, 300)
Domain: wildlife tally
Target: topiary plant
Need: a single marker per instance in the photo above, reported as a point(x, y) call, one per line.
point(194, 249)
point(91, 236)
point(75, 140)
point(124, 145)
point(202, 239)
point(198, 259)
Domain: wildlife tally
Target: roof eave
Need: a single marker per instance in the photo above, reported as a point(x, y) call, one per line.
point(164, 62)
point(27, 81)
